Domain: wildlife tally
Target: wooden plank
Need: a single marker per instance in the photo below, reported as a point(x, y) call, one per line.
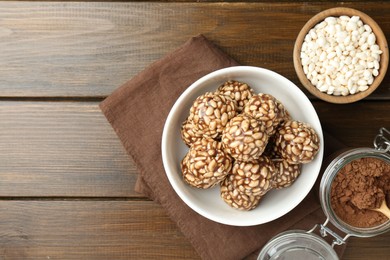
point(356, 124)
point(90, 48)
point(368, 248)
point(206, 1)
point(112, 230)
point(61, 149)
point(89, 230)
point(69, 149)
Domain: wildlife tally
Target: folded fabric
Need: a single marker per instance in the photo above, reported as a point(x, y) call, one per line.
point(137, 112)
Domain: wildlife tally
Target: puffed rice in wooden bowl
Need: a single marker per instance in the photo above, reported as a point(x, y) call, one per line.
point(317, 34)
point(206, 199)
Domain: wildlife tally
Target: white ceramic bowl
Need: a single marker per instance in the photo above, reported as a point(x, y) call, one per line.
point(208, 203)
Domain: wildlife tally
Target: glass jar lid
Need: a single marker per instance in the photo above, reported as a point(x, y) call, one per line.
point(300, 244)
point(297, 245)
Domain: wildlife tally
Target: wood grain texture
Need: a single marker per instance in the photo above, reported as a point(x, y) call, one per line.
point(112, 230)
point(66, 183)
point(61, 149)
point(89, 230)
point(354, 124)
point(90, 48)
point(64, 149)
point(205, 1)
point(368, 248)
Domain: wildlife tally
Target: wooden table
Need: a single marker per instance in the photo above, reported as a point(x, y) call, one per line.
point(66, 183)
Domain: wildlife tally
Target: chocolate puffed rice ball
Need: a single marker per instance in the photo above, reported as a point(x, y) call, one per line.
point(189, 133)
point(254, 178)
point(270, 150)
point(286, 173)
point(283, 112)
point(205, 164)
point(244, 138)
point(267, 109)
point(237, 91)
point(296, 142)
point(211, 112)
point(236, 199)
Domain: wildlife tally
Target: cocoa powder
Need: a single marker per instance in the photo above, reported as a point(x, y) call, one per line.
point(358, 187)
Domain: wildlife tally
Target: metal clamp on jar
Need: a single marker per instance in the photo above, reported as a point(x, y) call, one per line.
point(299, 244)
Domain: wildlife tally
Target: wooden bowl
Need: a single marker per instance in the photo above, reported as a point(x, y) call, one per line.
point(380, 40)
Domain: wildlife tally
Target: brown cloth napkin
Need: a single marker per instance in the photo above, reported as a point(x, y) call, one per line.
point(137, 112)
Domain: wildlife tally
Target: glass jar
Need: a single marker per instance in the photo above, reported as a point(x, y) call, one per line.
point(300, 244)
